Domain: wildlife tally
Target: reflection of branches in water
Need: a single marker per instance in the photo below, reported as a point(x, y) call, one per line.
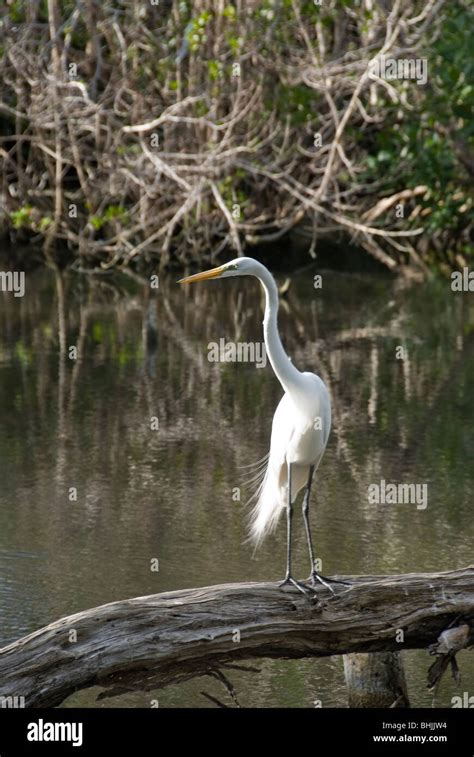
point(330, 354)
point(61, 454)
point(171, 370)
point(228, 685)
point(331, 362)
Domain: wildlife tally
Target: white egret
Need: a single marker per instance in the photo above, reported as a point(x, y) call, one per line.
point(300, 429)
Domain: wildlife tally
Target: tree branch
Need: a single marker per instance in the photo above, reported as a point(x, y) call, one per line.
point(148, 642)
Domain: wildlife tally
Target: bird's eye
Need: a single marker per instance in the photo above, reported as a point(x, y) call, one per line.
point(232, 267)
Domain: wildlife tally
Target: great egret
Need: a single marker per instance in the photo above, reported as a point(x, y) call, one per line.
point(300, 429)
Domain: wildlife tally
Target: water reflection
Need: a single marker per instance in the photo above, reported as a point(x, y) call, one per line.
point(122, 443)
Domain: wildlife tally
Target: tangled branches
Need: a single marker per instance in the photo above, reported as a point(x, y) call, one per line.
point(167, 130)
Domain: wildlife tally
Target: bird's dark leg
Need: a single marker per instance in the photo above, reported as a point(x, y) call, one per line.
point(314, 576)
point(289, 518)
point(306, 497)
point(289, 580)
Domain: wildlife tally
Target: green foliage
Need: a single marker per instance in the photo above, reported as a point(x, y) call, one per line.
point(28, 217)
point(45, 222)
point(23, 353)
point(235, 43)
point(196, 34)
point(215, 69)
point(232, 190)
point(132, 149)
point(230, 12)
point(21, 218)
point(17, 11)
point(426, 145)
point(111, 213)
point(295, 101)
point(97, 332)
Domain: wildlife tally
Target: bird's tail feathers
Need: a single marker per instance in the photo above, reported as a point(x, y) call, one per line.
point(265, 514)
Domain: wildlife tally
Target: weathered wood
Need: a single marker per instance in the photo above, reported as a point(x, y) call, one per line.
point(376, 679)
point(148, 642)
point(446, 647)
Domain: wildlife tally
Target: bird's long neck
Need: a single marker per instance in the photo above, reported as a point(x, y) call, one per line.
point(289, 377)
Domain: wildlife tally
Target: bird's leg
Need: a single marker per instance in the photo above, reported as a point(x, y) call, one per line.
point(306, 517)
point(289, 515)
point(314, 576)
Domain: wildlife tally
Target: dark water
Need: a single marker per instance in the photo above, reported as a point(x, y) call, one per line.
point(167, 493)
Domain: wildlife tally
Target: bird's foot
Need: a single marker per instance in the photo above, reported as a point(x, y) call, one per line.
point(316, 578)
point(308, 591)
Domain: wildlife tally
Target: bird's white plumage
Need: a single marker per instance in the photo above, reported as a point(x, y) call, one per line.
point(300, 432)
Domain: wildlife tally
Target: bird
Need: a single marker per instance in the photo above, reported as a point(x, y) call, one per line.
point(300, 429)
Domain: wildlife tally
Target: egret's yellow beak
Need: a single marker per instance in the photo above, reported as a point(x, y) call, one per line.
point(213, 273)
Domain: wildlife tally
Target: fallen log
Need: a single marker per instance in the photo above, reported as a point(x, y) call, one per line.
point(148, 642)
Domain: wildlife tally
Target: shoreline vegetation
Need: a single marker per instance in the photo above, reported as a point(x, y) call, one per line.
point(166, 133)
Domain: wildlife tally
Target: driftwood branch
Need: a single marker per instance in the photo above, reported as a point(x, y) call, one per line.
point(148, 642)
